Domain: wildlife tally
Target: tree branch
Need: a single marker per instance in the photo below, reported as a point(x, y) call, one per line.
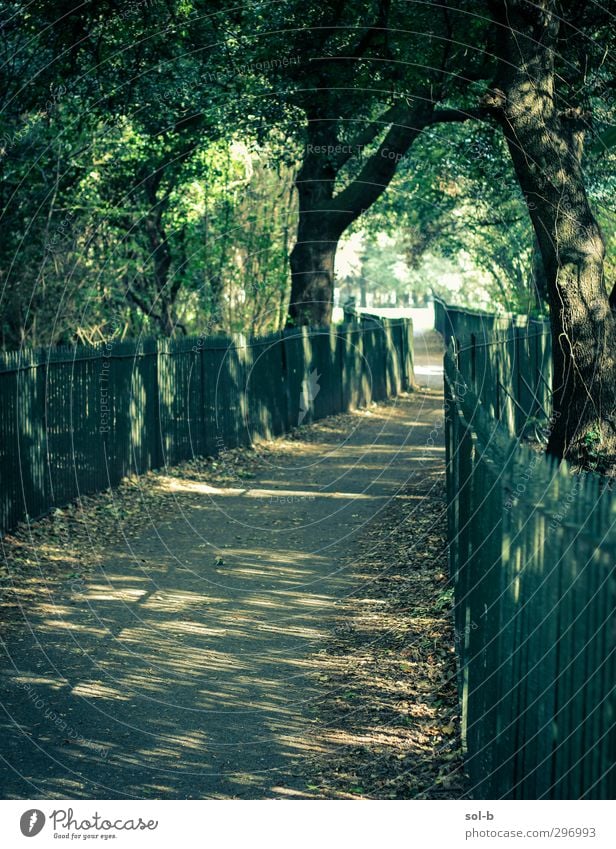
point(132, 296)
point(407, 124)
point(378, 171)
point(379, 28)
point(442, 116)
point(397, 114)
point(393, 115)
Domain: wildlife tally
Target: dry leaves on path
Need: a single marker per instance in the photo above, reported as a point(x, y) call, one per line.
point(390, 724)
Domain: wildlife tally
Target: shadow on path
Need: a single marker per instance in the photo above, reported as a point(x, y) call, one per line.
point(189, 663)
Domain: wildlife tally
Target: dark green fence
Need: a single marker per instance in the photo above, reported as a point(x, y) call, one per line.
point(532, 554)
point(505, 359)
point(78, 420)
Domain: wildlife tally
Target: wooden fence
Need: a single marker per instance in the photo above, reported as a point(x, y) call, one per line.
point(505, 359)
point(78, 420)
point(532, 558)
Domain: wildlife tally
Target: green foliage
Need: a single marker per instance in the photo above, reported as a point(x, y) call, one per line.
point(459, 216)
point(148, 152)
point(129, 205)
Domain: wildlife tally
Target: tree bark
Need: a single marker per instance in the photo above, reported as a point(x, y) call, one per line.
point(319, 229)
point(539, 281)
point(312, 276)
point(546, 143)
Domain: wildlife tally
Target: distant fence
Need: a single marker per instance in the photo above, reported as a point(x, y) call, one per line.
point(76, 421)
point(532, 558)
point(505, 359)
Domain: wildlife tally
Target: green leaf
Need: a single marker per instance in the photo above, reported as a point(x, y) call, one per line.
point(604, 141)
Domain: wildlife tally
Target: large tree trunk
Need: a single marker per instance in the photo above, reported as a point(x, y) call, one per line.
point(546, 147)
point(312, 276)
point(313, 256)
point(324, 216)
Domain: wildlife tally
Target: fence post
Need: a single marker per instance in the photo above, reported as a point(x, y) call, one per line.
point(159, 452)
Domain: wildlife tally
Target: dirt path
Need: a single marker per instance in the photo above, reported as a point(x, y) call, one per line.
point(190, 635)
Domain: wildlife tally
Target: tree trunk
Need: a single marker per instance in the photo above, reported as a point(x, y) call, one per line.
point(539, 281)
point(312, 276)
point(165, 292)
point(313, 256)
point(363, 300)
point(546, 148)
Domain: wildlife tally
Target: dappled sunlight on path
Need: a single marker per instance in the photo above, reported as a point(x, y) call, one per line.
point(190, 662)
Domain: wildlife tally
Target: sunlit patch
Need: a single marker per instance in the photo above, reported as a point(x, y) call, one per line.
point(96, 690)
point(110, 593)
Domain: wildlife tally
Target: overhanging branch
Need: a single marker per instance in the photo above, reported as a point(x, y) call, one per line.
point(406, 124)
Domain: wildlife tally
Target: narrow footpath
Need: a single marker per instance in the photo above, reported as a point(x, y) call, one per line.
point(274, 623)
